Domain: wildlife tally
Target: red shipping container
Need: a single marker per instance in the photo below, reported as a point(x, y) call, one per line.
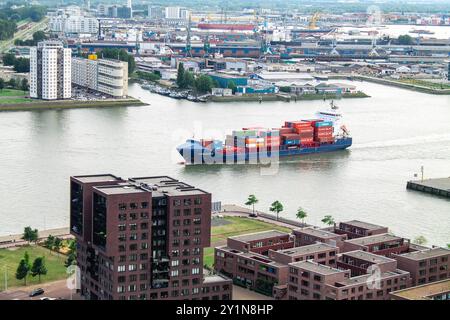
point(306, 130)
point(284, 130)
point(291, 136)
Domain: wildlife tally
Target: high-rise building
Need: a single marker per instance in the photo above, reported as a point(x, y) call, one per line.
point(142, 239)
point(50, 71)
point(129, 5)
point(104, 75)
point(156, 13)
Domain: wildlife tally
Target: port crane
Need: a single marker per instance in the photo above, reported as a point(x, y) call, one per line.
point(313, 22)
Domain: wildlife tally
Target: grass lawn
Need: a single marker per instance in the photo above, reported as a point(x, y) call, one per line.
point(11, 93)
point(13, 100)
point(237, 226)
point(11, 258)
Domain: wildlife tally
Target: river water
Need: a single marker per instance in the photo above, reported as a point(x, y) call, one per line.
point(395, 132)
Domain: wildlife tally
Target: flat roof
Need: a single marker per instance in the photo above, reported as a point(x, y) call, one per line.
point(97, 178)
point(364, 225)
point(259, 235)
point(424, 291)
point(316, 267)
point(367, 277)
point(317, 232)
point(214, 278)
point(165, 185)
point(367, 256)
point(426, 254)
point(307, 249)
point(120, 189)
point(378, 238)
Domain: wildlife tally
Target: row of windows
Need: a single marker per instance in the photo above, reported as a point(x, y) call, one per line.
point(186, 202)
point(133, 247)
point(132, 237)
point(187, 212)
point(186, 232)
point(133, 206)
point(186, 222)
point(133, 226)
point(133, 216)
point(186, 242)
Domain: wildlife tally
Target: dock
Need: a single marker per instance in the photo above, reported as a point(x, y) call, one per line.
point(439, 187)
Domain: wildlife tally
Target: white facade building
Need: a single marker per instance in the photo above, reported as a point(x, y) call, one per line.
point(73, 24)
point(104, 75)
point(50, 71)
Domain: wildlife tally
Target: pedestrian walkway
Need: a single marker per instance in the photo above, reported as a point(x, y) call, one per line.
point(15, 240)
point(235, 210)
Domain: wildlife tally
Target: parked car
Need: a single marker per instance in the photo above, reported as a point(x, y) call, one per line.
point(47, 298)
point(36, 292)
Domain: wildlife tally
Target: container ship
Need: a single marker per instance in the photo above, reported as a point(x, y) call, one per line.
point(324, 133)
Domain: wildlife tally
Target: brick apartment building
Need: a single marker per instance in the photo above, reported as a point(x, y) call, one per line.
point(309, 235)
point(354, 261)
point(382, 244)
point(309, 280)
point(142, 239)
point(439, 290)
point(425, 266)
point(358, 229)
point(260, 261)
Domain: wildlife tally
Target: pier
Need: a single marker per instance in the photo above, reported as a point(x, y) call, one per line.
point(438, 187)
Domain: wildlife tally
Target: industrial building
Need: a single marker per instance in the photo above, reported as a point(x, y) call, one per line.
point(50, 71)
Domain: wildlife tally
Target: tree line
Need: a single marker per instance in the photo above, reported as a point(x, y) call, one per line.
point(9, 18)
point(20, 64)
point(187, 80)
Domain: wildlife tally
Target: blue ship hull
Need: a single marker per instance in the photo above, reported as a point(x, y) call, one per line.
point(194, 153)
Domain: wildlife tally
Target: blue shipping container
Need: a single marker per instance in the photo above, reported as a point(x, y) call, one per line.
point(291, 142)
point(324, 124)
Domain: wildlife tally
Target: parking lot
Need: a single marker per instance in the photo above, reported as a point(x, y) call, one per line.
point(83, 94)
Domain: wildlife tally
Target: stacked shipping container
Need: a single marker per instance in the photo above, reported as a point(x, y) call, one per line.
point(293, 134)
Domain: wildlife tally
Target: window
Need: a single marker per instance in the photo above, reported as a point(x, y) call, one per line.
point(177, 212)
point(195, 270)
point(176, 203)
point(132, 267)
point(175, 263)
point(133, 226)
point(187, 212)
point(198, 211)
point(122, 217)
point(133, 206)
point(133, 216)
point(144, 205)
point(122, 206)
point(144, 215)
point(198, 201)
point(174, 273)
point(187, 202)
point(122, 227)
point(121, 268)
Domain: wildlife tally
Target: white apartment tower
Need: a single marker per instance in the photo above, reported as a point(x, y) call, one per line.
point(50, 71)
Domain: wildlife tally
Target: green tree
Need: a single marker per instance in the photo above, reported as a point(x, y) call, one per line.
point(22, 65)
point(180, 76)
point(203, 83)
point(49, 242)
point(9, 59)
point(71, 260)
point(2, 84)
point(30, 235)
point(188, 80)
point(12, 83)
point(57, 244)
point(39, 36)
point(22, 271)
point(328, 220)
point(420, 240)
point(24, 85)
point(39, 267)
point(251, 201)
point(232, 86)
point(301, 214)
point(24, 268)
point(276, 207)
point(405, 39)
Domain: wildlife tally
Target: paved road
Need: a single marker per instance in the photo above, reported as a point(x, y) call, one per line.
point(56, 289)
point(15, 240)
